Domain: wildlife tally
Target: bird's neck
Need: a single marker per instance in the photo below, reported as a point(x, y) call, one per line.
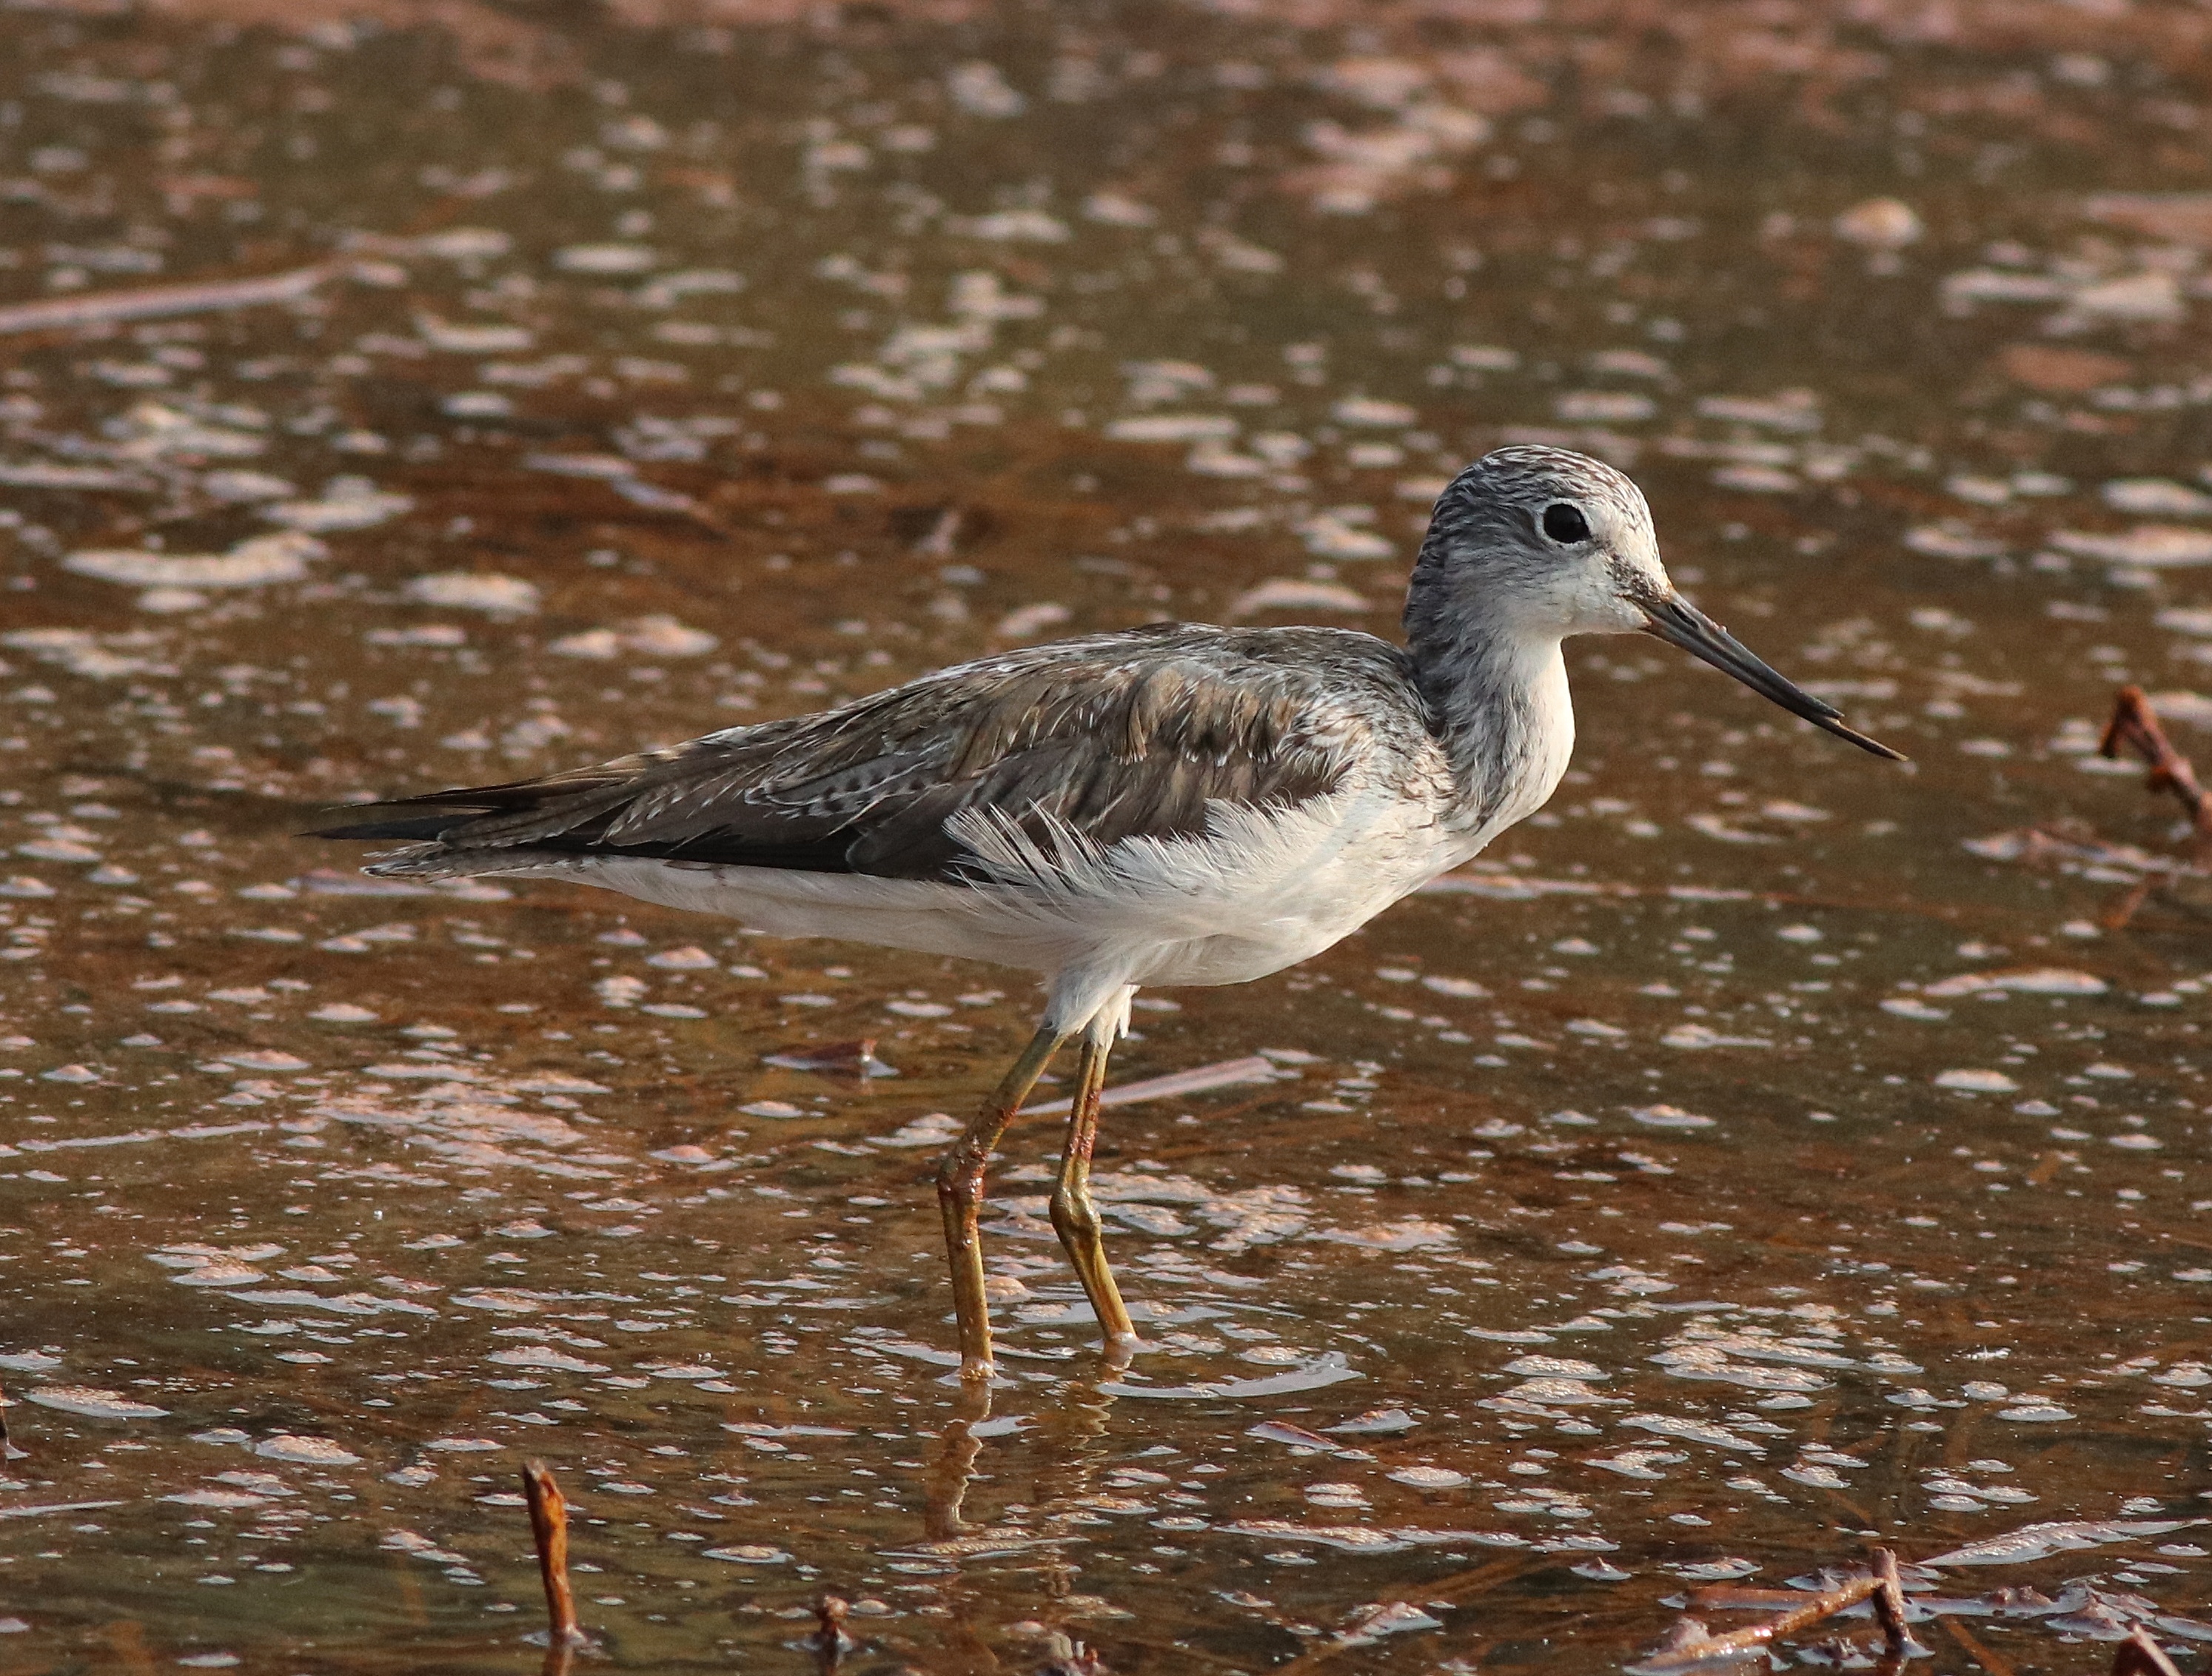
point(1498, 703)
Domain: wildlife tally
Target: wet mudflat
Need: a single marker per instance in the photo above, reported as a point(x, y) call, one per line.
point(1762, 1154)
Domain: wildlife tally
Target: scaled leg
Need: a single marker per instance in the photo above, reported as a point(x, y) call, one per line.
point(1075, 1218)
point(960, 1197)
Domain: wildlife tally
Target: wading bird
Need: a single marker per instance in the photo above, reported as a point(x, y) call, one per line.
point(1177, 804)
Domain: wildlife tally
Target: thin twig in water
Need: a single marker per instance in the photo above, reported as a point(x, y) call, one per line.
point(1980, 1654)
point(831, 1643)
point(1889, 1603)
point(2139, 1655)
point(1476, 1580)
point(147, 302)
point(939, 542)
point(2135, 726)
point(549, 1530)
point(2116, 917)
point(1199, 1079)
point(1690, 1645)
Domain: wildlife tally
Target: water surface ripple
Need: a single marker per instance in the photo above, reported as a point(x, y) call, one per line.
point(1760, 1154)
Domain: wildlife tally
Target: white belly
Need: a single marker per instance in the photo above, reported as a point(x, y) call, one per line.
point(1261, 891)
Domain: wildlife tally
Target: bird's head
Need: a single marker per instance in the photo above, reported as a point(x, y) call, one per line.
point(1544, 543)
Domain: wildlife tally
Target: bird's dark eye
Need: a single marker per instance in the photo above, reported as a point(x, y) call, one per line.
point(1565, 524)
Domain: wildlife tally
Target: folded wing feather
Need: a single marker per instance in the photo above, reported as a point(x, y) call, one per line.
point(1108, 737)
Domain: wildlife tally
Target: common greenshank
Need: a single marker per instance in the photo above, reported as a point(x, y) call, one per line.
point(1178, 803)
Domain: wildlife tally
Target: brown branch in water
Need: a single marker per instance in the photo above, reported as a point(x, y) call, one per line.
point(831, 1643)
point(2139, 1655)
point(549, 1531)
point(1476, 1580)
point(2116, 917)
point(1064, 1657)
point(2134, 727)
point(1690, 1645)
point(1889, 1603)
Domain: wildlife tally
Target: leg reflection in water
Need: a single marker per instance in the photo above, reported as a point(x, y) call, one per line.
point(1065, 1455)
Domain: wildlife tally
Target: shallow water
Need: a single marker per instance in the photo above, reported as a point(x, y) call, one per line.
point(1762, 1154)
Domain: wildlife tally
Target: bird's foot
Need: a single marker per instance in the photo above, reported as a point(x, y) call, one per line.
point(979, 1380)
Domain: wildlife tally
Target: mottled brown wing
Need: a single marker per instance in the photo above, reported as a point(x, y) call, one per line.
point(1111, 736)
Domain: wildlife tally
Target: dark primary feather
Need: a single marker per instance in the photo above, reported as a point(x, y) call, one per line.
point(1113, 736)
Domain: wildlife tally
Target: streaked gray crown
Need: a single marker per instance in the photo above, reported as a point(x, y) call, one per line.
point(1497, 503)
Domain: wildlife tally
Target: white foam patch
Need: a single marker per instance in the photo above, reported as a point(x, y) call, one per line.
point(92, 1403)
point(658, 636)
point(1334, 536)
point(308, 1451)
point(2148, 546)
point(474, 590)
point(2040, 1541)
point(1173, 427)
point(1290, 593)
point(2031, 980)
point(347, 503)
point(251, 564)
point(1977, 1081)
point(605, 259)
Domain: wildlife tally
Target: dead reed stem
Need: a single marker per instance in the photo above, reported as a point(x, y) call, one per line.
point(549, 1530)
point(2139, 1655)
point(2134, 727)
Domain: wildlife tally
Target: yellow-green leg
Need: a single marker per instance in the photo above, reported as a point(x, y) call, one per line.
point(1075, 1218)
point(960, 1197)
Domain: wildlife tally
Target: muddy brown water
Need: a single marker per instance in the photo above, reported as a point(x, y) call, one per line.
point(1763, 1154)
